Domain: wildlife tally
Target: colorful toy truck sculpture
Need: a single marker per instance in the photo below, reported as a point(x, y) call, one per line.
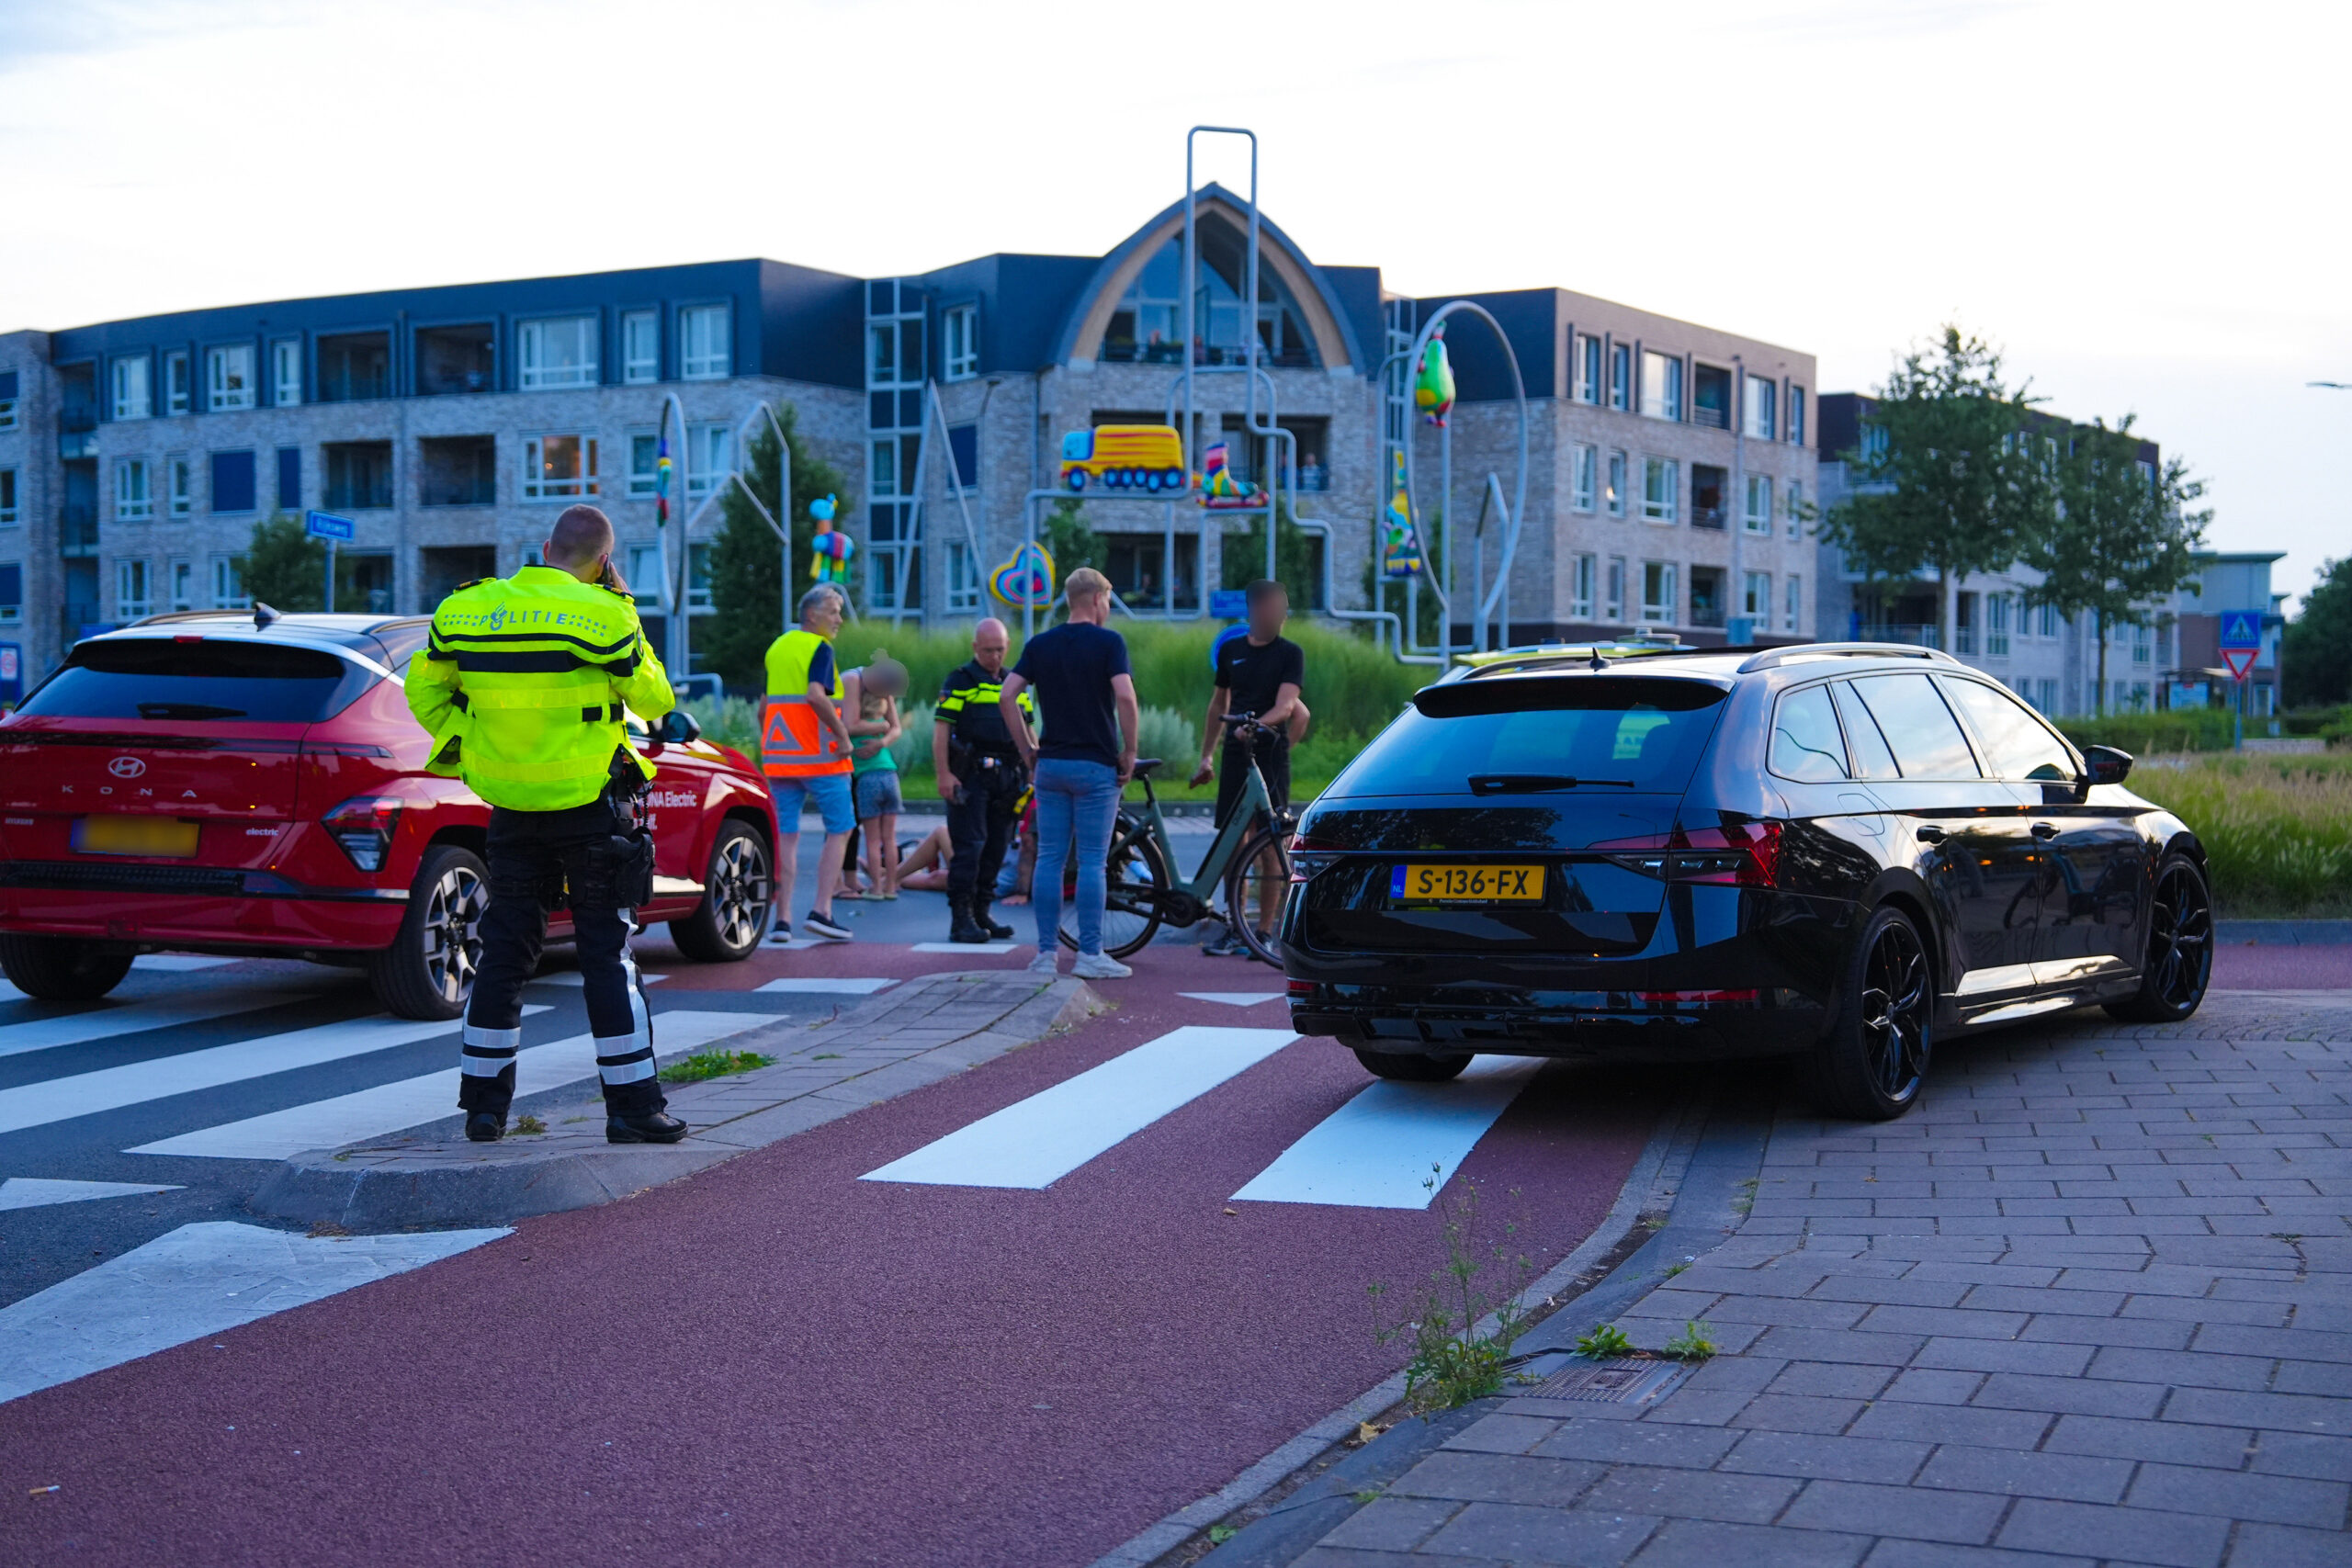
point(1146, 458)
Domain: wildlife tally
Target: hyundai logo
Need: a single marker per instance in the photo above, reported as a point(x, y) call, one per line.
point(126, 767)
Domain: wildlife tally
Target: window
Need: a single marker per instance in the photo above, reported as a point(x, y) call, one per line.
point(1584, 480)
point(2049, 623)
point(458, 470)
point(703, 353)
point(698, 577)
point(710, 457)
point(1580, 585)
point(558, 353)
point(456, 359)
point(10, 512)
point(1806, 745)
point(962, 578)
point(176, 390)
point(2046, 694)
point(1925, 739)
point(559, 467)
point(1661, 385)
point(229, 584)
point(232, 482)
point(1757, 414)
point(1708, 592)
point(1620, 376)
point(1587, 355)
point(2016, 744)
point(354, 367)
point(1758, 516)
point(1793, 505)
point(1645, 732)
point(645, 581)
point(1658, 597)
point(130, 590)
point(183, 585)
point(963, 456)
point(12, 593)
point(1796, 416)
point(2143, 644)
point(1866, 748)
point(644, 463)
point(961, 328)
point(1661, 479)
point(179, 484)
point(1614, 605)
point(641, 348)
point(359, 475)
point(285, 372)
point(1996, 626)
point(7, 399)
point(1793, 609)
point(289, 478)
point(130, 386)
point(1616, 484)
point(886, 468)
point(1756, 599)
point(228, 377)
point(133, 500)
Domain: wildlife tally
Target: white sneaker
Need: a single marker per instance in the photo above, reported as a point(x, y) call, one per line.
point(1045, 964)
point(1100, 967)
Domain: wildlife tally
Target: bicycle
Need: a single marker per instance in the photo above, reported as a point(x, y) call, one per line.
point(1249, 857)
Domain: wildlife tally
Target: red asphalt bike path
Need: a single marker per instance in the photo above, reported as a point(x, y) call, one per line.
point(775, 1362)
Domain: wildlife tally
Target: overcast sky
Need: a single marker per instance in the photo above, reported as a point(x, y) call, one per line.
point(2143, 203)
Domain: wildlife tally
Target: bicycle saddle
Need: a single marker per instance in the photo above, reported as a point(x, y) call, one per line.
point(1144, 766)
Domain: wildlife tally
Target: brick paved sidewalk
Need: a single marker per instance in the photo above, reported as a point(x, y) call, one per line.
point(2090, 1302)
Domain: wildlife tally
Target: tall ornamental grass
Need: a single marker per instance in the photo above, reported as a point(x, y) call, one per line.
point(2276, 831)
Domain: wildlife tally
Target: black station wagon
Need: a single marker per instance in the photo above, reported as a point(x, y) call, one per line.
point(1841, 853)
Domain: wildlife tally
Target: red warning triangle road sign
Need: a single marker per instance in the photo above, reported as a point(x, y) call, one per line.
point(2240, 661)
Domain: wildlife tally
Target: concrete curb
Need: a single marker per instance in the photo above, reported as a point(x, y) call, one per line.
point(910, 1035)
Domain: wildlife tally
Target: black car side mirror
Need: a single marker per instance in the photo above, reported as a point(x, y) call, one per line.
point(678, 727)
point(2108, 766)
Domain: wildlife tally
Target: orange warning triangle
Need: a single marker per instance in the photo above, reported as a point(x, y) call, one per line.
point(778, 734)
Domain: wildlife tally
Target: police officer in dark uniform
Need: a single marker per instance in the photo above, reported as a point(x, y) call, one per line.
point(980, 777)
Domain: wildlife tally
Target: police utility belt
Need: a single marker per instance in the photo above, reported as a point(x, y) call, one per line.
point(962, 756)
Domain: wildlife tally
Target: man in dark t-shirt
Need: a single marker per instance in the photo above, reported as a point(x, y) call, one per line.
point(1087, 700)
point(1260, 674)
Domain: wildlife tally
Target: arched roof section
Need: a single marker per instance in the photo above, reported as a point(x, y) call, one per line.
point(1310, 292)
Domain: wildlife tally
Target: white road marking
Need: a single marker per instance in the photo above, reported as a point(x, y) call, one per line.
point(131, 1018)
point(41, 1191)
point(1234, 998)
point(388, 1108)
point(971, 946)
point(1042, 1139)
point(828, 988)
point(110, 1089)
point(1395, 1145)
point(572, 977)
point(198, 1280)
point(179, 963)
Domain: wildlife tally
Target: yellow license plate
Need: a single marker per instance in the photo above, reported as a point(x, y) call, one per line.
point(163, 837)
point(1468, 884)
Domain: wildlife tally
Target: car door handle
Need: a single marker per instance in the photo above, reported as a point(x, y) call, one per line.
point(2045, 830)
point(1929, 833)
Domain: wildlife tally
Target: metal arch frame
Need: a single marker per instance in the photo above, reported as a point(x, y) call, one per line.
point(674, 586)
point(1511, 517)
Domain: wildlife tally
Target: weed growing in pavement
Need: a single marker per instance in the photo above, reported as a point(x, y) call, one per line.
point(1220, 1534)
point(1746, 1198)
point(1691, 1345)
point(528, 1126)
point(714, 1064)
point(1675, 1269)
point(1453, 1361)
point(1605, 1341)
point(826, 1057)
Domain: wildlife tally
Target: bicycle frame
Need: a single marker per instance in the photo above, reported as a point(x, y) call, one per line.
point(1254, 806)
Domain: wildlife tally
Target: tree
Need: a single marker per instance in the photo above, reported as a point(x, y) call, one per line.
point(1298, 559)
point(1955, 482)
point(2318, 655)
point(1069, 540)
point(283, 567)
point(2123, 536)
point(746, 567)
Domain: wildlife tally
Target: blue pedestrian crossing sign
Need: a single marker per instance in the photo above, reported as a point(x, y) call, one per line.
point(2241, 628)
point(326, 526)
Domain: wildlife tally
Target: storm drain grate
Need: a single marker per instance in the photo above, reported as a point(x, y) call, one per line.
point(1621, 1381)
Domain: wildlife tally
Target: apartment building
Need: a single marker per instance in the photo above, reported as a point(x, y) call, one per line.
point(1669, 462)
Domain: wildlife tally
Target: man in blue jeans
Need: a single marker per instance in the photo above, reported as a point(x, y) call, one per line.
point(1087, 700)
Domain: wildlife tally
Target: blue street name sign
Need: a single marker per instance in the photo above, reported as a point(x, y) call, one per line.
point(327, 526)
point(2241, 628)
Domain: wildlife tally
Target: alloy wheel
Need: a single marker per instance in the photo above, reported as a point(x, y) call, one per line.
point(1895, 1012)
point(739, 891)
point(2181, 939)
point(452, 932)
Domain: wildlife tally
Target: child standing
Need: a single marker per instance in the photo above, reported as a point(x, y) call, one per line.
point(874, 697)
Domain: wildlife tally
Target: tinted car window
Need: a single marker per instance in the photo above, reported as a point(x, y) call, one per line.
point(1605, 732)
point(1864, 744)
point(2019, 745)
point(161, 678)
point(1926, 739)
point(1806, 743)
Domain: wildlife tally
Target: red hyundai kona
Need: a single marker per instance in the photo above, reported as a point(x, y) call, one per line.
point(252, 783)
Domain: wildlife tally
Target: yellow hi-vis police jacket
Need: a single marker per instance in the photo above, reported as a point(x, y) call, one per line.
point(523, 683)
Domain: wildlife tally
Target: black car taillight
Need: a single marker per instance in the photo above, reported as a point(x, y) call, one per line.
point(1745, 854)
point(363, 826)
point(1310, 857)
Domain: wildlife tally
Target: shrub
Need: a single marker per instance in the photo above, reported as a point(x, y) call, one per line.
point(2145, 734)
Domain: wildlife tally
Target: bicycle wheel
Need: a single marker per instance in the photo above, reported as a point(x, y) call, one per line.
point(1255, 885)
point(1137, 878)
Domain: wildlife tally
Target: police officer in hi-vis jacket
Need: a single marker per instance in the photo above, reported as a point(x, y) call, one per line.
point(523, 687)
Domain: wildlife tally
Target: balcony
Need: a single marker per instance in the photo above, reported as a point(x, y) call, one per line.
point(1714, 419)
point(77, 528)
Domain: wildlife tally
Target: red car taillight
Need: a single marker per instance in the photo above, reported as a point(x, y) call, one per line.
point(1745, 854)
point(363, 826)
point(1309, 857)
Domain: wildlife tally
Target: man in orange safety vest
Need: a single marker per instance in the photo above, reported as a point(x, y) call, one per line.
point(805, 749)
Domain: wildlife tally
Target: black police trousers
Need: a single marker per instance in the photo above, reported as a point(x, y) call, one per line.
point(979, 825)
point(541, 860)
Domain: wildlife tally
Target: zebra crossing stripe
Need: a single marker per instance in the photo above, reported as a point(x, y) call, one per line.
point(388, 1108)
point(133, 1018)
point(1394, 1145)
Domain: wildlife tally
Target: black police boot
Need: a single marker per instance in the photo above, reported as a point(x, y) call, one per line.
point(997, 929)
point(660, 1127)
point(485, 1127)
point(963, 927)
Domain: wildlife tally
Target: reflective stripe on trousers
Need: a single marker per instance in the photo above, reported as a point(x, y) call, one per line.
point(629, 1058)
